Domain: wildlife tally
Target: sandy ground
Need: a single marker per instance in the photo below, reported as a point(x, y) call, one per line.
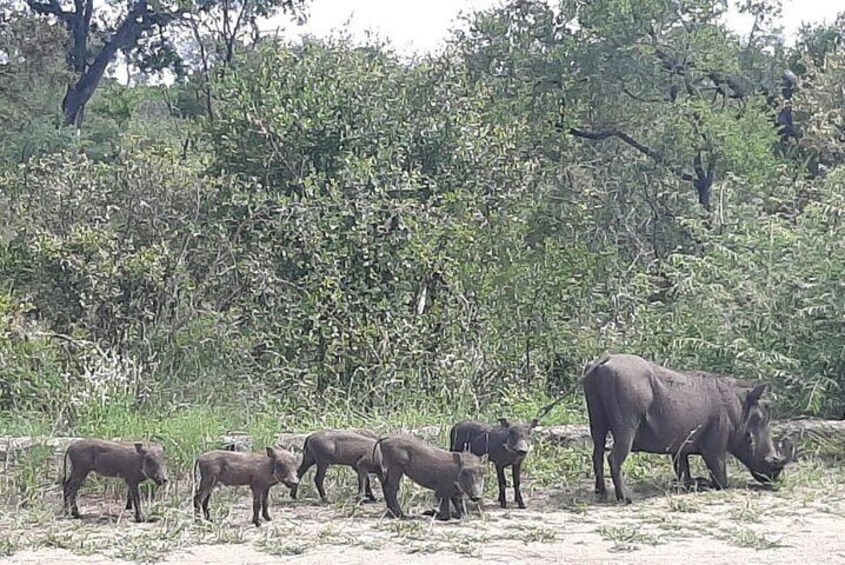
point(802, 522)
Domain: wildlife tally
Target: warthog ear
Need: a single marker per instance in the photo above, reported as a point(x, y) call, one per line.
point(484, 459)
point(271, 453)
point(456, 457)
point(756, 393)
point(504, 423)
point(534, 423)
point(139, 447)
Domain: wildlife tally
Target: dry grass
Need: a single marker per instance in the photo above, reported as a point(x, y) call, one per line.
point(562, 513)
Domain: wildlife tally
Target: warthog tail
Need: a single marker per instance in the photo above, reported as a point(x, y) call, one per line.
point(453, 435)
point(64, 467)
point(587, 369)
point(378, 460)
point(194, 477)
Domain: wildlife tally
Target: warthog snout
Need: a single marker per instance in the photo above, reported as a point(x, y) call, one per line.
point(775, 461)
point(286, 477)
point(766, 476)
point(770, 469)
point(290, 483)
point(476, 493)
point(284, 467)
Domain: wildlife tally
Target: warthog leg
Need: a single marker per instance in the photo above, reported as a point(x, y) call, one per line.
point(135, 495)
point(71, 490)
point(500, 475)
point(598, 432)
point(445, 511)
point(717, 466)
point(307, 462)
point(517, 472)
point(319, 478)
point(391, 490)
point(681, 465)
point(202, 496)
point(618, 453)
point(365, 491)
point(256, 505)
point(460, 506)
point(265, 496)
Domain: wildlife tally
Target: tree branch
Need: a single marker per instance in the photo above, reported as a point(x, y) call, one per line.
point(230, 46)
point(702, 180)
point(52, 8)
point(640, 98)
point(599, 135)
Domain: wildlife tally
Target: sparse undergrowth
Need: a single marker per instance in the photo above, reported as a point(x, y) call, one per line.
point(561, 511)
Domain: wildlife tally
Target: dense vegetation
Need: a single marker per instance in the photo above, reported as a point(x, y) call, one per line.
point(324, 224)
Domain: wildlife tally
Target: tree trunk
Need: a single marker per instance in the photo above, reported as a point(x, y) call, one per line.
point(139, 20)
point(127, 34)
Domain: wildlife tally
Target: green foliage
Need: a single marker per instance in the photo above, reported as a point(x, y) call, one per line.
point(31, 77)
point(352, 233)
point(32, 374)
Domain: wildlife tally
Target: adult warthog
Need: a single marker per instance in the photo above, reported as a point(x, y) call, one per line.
point(652, 409)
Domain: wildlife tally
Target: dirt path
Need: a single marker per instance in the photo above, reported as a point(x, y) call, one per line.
point(801, 523)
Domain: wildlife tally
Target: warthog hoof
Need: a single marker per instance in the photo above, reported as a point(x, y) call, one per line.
point(442, 517)
point(699, 483)
point(694, 484)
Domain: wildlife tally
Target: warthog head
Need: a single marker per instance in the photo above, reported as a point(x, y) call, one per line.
point(153, 466)
point(519, 436)
point(470, 474)
point(757, 449)
point(284, 467)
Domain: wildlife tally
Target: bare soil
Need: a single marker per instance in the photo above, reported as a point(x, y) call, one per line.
point(800, 522)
